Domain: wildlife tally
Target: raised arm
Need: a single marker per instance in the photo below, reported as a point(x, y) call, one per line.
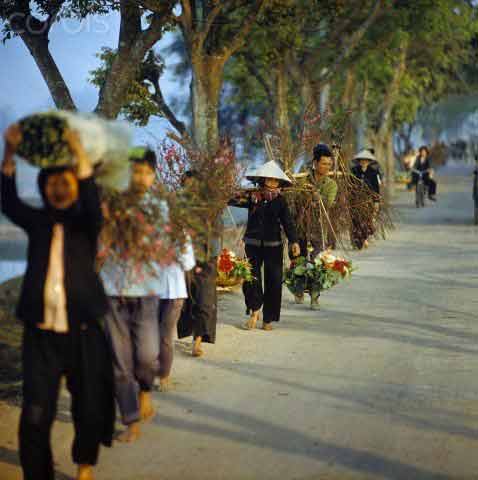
point(16, 210)
point(88, 191)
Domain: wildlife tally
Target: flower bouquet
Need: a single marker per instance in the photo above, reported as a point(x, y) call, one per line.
point(106, 143)
point(323, 273)
point(231, 270)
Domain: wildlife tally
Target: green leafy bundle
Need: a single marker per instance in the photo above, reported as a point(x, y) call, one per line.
point(42, 141)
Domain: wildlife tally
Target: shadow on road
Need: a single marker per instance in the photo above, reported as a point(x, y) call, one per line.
point(291, 442)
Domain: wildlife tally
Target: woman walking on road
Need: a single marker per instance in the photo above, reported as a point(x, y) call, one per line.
point(268, 216)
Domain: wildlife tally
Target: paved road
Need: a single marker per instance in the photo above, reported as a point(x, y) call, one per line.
point(381, 383)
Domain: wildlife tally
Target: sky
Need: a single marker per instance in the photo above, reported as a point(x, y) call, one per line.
point(74, 46)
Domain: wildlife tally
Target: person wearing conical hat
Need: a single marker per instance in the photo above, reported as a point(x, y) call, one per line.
point(326, 188)
point(268, 216)
point(366, 169)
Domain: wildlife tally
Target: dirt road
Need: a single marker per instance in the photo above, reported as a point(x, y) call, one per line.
point(381, 383)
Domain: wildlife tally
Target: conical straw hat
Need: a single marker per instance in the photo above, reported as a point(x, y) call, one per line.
point(269, 170)
point(365, 155)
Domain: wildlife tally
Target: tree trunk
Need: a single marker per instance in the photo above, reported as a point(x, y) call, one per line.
point(324, 104)
point(361, 124)
point(282, 116)
point(385, 131)
point(206, 84)
point(348, 104)
point(38, 46)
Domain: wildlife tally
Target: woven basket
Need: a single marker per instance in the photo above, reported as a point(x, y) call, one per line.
point(226, 281)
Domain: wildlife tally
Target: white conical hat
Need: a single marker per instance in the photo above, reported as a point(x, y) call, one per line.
point(365, 155)
point(269, 170)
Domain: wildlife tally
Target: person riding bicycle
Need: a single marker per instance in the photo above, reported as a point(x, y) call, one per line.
point(423, 164)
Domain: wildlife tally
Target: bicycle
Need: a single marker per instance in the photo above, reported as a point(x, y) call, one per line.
point(420, 187)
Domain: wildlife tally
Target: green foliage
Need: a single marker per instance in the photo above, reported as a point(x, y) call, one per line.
point(139, 102)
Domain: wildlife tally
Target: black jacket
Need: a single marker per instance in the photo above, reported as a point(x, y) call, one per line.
point(371, 177)
point(86, 299)
point(265, 219)
point(421, 167)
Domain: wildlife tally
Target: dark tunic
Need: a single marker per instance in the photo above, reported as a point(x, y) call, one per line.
point(370, 177)
point(199, 315)
point(86, 299)
point(82, 354)
point(265, 221)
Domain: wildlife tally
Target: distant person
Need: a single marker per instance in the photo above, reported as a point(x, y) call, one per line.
point(366, 169)
point(423, 164)
point(61, 304)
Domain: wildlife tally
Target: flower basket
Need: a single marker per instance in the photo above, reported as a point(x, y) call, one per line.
point(232, 271)
point(323, 273)
point(226, 281)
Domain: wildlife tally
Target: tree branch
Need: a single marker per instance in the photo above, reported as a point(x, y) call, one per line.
point(354, 40)
point(130, 53)
point(238, 40)
point(166, 111)
point(34, 34)
point(212, 15)
point(254, 71)
point(186, 20)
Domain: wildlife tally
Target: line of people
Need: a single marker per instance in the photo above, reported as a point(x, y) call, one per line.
point(111, 340)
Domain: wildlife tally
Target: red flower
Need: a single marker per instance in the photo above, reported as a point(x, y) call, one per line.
point(341, 266)
point(225, 263)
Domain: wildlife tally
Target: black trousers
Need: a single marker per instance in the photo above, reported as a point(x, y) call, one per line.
point(47, 356)
point(269, 297)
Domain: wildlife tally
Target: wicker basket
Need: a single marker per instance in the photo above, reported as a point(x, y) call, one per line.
point(224, 280)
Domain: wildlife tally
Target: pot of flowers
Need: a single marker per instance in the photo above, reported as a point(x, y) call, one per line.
point(232, 271)
point(314, 276)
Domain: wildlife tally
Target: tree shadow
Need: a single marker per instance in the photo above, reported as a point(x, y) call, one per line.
point(444, 421)
point(290, 441)
point(11, 457)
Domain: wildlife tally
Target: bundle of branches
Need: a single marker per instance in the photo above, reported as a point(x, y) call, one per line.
point(137, 235)
point(356, 207)
point(197, 204)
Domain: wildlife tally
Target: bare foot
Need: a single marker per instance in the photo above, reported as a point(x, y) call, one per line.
point(164, 384)
point(85, 472)
point(131, 434)
point(251, 323)
point(197, 350)
point(267, 327)
point(146, 409)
